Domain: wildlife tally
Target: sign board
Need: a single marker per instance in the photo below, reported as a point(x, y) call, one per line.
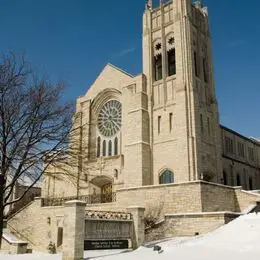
point(105, 244)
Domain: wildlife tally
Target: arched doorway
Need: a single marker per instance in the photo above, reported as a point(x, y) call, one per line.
point(105, 188)
point(106, 193)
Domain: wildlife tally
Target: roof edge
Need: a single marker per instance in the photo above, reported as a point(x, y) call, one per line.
point(240, 135)
point(119, 69)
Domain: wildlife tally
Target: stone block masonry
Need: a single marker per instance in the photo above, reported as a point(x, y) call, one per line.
point(189, 224)
point(39, 225)
point(74, 230)
point(138, 227)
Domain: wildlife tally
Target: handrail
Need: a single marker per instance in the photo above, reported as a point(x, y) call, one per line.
point(89, 199)
point(17, 232)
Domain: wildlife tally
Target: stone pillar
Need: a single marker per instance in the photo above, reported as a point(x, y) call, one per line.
point(138, 228)
point(74, 230)
point(137, 167)
point(39, 201)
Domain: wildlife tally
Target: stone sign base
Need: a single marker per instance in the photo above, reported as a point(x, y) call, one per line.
point(105, 244)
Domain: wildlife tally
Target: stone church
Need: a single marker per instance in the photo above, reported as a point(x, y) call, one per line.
point(151, 145)
point(161, 126)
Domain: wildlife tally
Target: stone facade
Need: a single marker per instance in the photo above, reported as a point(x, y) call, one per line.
point(167, 121)
point(241, 160)
point(153, 140)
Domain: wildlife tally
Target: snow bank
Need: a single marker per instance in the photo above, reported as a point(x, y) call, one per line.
point(238, 240)
point(34, 256)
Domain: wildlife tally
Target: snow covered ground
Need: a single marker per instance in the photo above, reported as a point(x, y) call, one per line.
point(238, 240)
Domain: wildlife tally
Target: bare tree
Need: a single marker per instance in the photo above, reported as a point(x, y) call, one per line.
point(34, 125)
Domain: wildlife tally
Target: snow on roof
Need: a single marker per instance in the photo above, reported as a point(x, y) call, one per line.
point(256, 139)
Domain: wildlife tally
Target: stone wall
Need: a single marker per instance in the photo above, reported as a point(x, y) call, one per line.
point(187, 197)
point(216, 197)
point(169, 198)
point(11, 248)
point(188, 225)
point(244, 199)
point(192, 224)
point(37, 225)
point(113, 206)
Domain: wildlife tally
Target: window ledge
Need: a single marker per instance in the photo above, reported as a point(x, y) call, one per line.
point(105, 158)
point(111, 157)
point(172, 77)
point(158, 82)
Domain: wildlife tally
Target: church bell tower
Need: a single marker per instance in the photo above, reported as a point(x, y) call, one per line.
point(177, 62)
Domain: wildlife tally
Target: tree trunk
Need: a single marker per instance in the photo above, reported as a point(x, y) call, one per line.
point(2, 185)
point(1, 224)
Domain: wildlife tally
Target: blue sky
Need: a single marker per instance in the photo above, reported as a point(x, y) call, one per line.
point(74, 39)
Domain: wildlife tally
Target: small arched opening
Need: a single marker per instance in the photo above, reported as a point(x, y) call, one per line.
point(166, 177)
point(104, 185)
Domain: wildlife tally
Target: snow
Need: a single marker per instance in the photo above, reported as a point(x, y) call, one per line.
point(12, 239)
point(238, 240)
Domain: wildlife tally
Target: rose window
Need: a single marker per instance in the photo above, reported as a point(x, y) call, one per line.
point(109, 118)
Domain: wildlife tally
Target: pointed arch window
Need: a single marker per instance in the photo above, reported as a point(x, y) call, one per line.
point(158, 67)
point(201, 124)
point(196, 64)
point(104, 146)
point(171, 62)
point(116, 146)
point(166, 177)
point(110, 148)
point(205, 70)
point(98, 146)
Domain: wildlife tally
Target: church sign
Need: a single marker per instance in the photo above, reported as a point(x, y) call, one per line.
point(107, 230)
point(105, 244)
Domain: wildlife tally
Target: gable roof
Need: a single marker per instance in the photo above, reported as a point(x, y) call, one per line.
point(110, 77)
point(121, 70)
